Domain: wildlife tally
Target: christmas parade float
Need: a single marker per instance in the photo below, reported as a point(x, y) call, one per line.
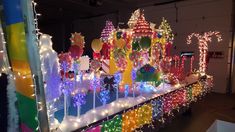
point(131, 82)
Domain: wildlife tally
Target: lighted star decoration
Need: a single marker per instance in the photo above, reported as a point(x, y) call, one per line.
point(203, 46)
point(77, 39)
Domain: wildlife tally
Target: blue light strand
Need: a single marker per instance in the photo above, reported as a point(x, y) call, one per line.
point(126, 92)
point(104, 94)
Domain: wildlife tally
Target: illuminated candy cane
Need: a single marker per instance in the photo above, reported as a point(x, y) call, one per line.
point(203, 46)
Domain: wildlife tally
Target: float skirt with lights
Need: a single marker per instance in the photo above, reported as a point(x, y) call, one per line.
point(149, 109)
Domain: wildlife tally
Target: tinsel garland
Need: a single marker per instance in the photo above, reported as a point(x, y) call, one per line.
point(11, 95)
point(13, 113)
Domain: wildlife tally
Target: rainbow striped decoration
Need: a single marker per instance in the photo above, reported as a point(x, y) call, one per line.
point(18, 56)
point(156, 109)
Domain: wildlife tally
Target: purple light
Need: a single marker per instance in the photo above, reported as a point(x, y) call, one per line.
point(117, 77)
point(133, 75)
point(95, 83)
point(79, 99)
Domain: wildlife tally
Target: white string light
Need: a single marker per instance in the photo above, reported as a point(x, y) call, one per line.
point(37, 33)
point(36, 15)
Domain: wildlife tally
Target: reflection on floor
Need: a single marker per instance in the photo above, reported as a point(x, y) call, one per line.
point(204, 113)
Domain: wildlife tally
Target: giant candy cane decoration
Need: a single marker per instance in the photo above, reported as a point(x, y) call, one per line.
point(203, 46)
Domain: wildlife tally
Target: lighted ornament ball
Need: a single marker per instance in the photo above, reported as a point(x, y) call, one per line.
point(145, 42)
point(120, 43)
point(76, 51)
point(96, 45)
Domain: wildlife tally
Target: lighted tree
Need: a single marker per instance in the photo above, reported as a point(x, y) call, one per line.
point(203, 46)
point(104, 93)
point(107, 31)
point(95, 83)
point(117, 80)
point(78, 100)
point(167, 37)
point(166, 31)
point(65, 61)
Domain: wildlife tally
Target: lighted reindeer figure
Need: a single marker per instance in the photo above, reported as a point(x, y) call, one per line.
point(203, 46)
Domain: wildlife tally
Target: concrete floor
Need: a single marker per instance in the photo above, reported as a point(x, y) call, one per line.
point(204, 113)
